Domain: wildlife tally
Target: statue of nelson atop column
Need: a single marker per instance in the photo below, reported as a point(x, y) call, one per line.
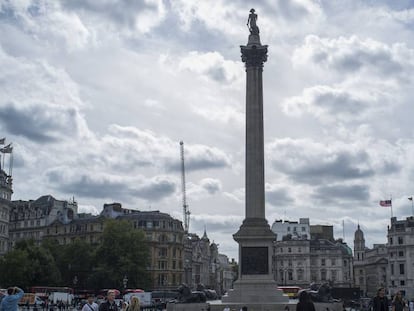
point(251, 23)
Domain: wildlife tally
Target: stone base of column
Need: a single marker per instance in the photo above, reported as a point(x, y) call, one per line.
point(255, 291)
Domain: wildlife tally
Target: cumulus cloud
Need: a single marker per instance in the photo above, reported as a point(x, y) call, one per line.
point(211, 185)
point(140, 16)
point(39, 102)
point(47, 23)
point(338, 103)
point(277, 195)
point(111, 186)
point(212, 65)
point(319, 162)
point(350, 55)
point(331, 194)
point(39, 123)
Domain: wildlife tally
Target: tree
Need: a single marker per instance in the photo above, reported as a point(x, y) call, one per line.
point(28, 264)
point(42, 263)
point(15, 269)
point(123, 252)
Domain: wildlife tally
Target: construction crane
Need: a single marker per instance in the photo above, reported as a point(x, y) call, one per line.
point(186, 211)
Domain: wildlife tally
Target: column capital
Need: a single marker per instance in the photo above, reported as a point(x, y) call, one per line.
point(254, 55)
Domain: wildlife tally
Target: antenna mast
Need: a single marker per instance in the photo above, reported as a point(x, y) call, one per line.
point(186, 211)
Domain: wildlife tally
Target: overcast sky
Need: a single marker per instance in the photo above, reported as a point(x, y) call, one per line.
point(96, 95)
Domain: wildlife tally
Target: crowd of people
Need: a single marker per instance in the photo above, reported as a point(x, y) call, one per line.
point(379, 303)
point(14, 294)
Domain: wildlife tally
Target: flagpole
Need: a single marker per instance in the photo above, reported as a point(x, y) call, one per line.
point(391, 206)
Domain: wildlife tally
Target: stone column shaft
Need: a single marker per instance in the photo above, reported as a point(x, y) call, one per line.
point(255, 193)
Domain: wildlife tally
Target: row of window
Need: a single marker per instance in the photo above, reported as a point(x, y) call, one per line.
point(400, 240)
point(163, 265)
point(290, 249)
point(303, 229)
point(162, 279)
point(149, 224)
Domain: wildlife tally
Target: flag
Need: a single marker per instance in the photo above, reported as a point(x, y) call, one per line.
point(2, 140)
point(410, 198)
point(7, 149)
point(385, 203)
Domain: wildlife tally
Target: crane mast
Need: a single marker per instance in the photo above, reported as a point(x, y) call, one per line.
point(186, 211)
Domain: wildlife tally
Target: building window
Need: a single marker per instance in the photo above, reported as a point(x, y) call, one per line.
point(290, 263)
point(323, 263)
point(401, 253)
point(402, 282)
point(303, 229)
point(333, 261)
point(391, 254)
point(300, 274)
point(288, 228)
point(162, 252)
point(290, 275)
point(281, 249)
point(289, 250)
point(401, 268)
point(392, 269)
point(323, 275)
point(299, 250)
point(400, 240)
point(333, 275)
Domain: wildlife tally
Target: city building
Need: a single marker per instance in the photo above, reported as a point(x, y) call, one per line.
point(370, 265)
point(314, 256)
point(6, 192)
point(296, 230)
point(400, 253)
point(31, 219)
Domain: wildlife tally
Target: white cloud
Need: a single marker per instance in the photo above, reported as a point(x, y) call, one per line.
point(354, 55)
point(48, 23)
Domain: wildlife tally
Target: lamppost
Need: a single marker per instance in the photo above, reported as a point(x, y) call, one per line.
point(125, 281)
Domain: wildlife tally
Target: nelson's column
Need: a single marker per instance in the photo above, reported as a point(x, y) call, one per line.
point(255, 238)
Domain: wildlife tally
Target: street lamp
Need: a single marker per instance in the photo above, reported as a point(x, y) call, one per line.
point(125, 281)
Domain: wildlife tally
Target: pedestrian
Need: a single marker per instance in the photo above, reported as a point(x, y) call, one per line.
point(134, 304)
point(109, 304)
point(90, 305)
point(305, 303)
point(399, 304)
point(380, 301)
point(11, 301)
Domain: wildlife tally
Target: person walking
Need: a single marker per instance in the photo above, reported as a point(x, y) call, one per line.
point(305, 303)
point(90, 305)
point(399, 304)
point(109, 304)
point(134, 304)
point(11, 301)
point(380, 301)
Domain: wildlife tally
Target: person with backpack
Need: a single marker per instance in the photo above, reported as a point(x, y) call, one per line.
point(90, 305)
